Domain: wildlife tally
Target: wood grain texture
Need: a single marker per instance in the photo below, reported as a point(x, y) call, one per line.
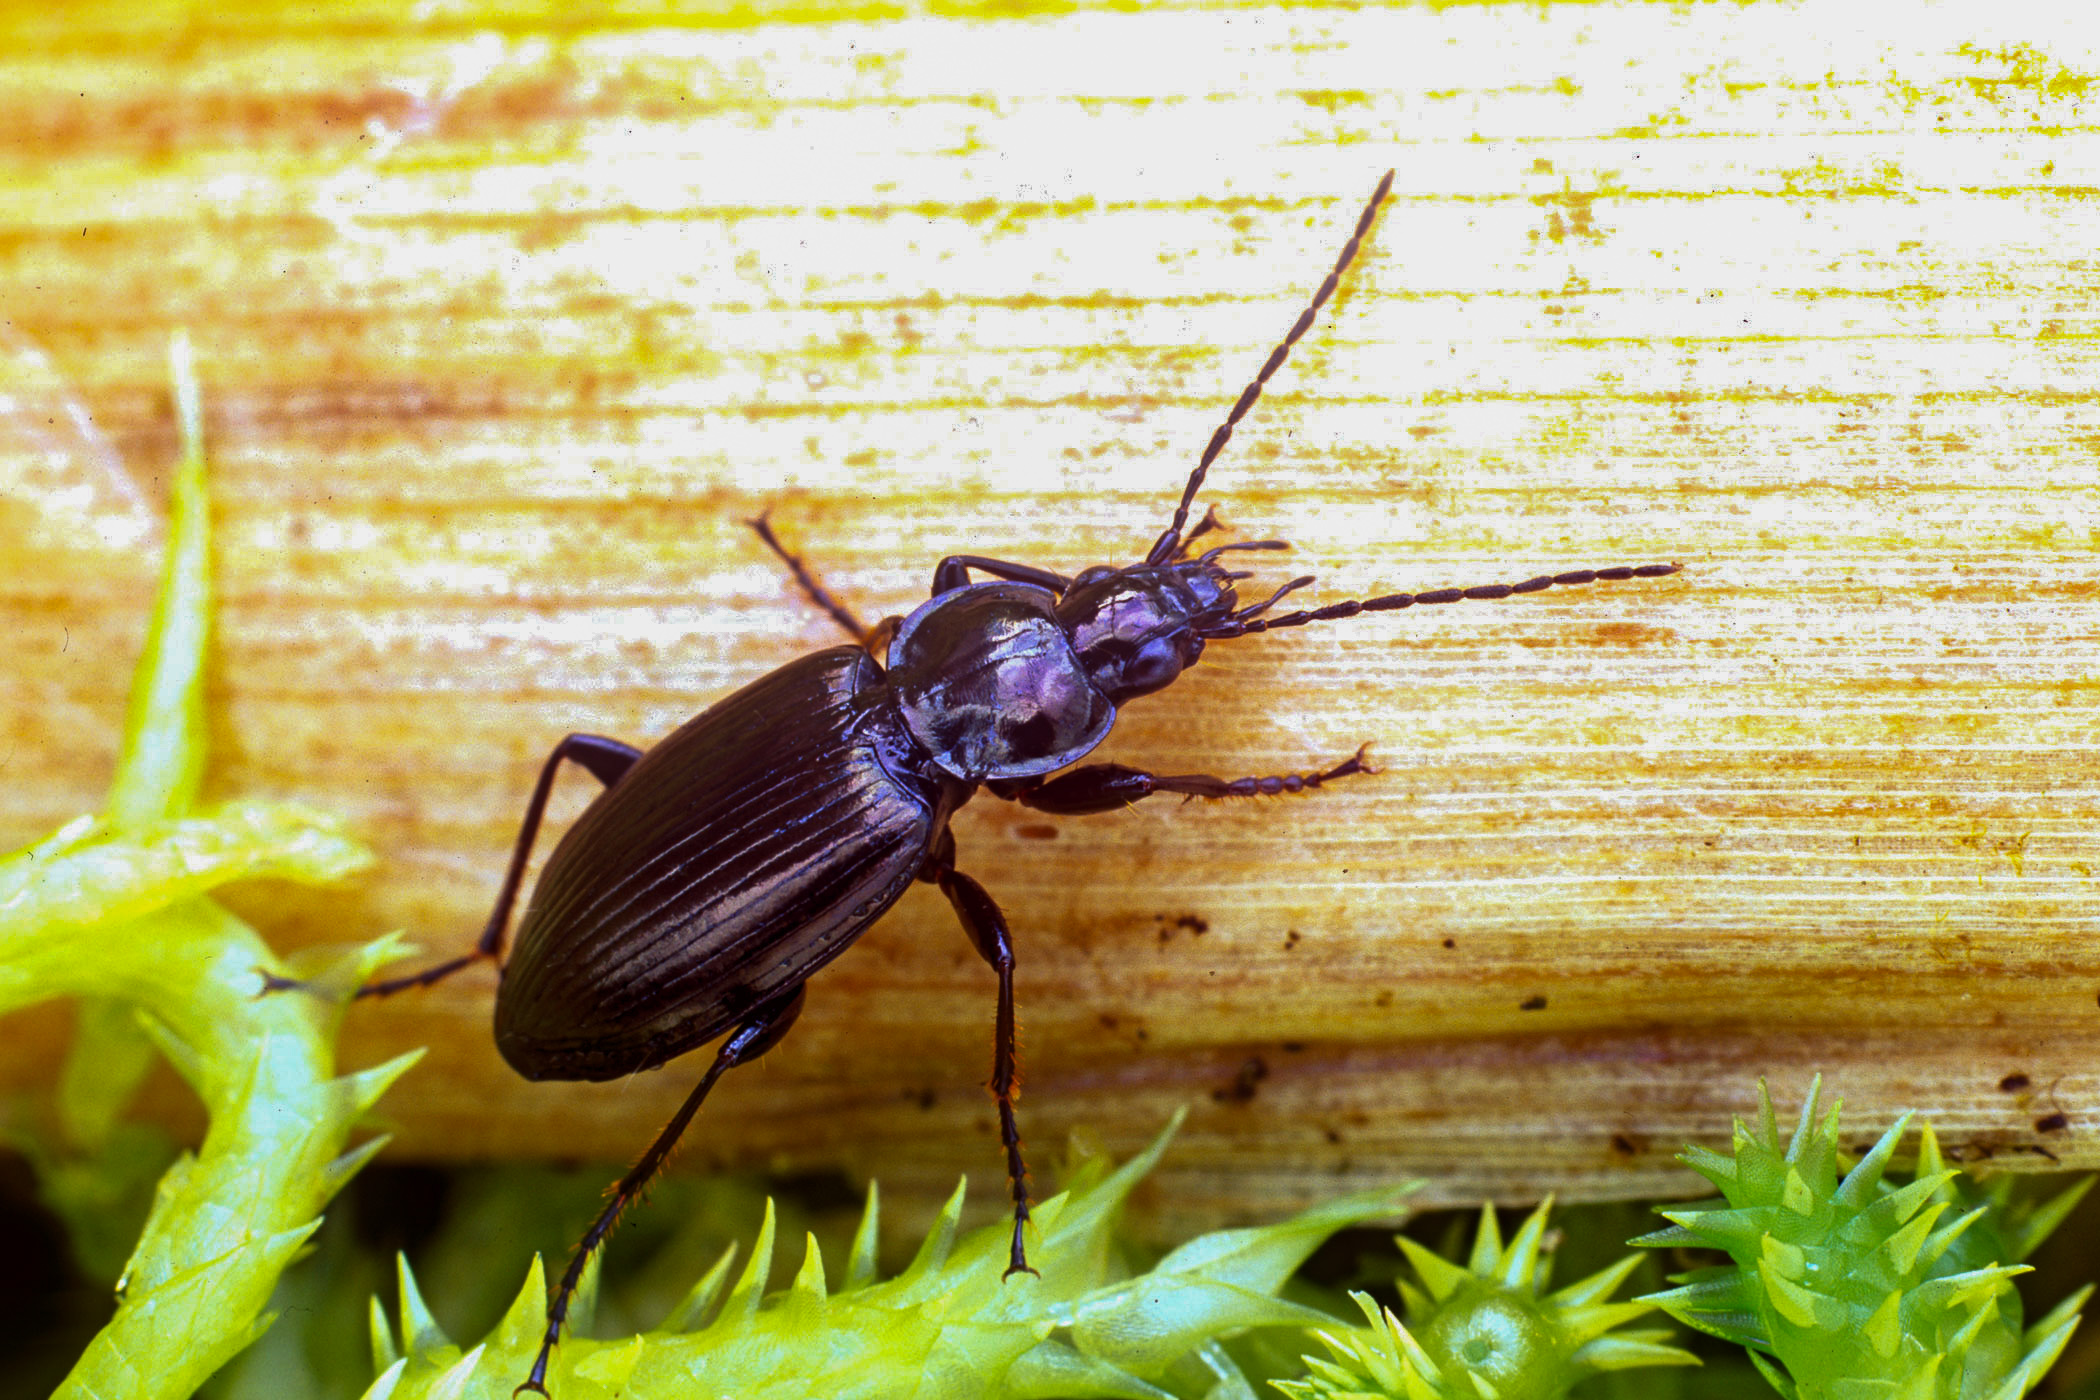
point(508, 318)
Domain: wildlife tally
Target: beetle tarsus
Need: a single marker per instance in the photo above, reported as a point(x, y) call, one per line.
point(1104, 787)
point(1017, 1259)
point(429, 976)
point(272, 984)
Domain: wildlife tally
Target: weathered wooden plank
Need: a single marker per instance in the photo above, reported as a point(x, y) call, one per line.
point(507, 320)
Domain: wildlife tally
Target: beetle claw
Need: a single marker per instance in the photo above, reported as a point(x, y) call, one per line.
point(1019, 1258)
point(273, 984)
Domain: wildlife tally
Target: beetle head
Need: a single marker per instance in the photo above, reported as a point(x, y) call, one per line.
point(1136, 630)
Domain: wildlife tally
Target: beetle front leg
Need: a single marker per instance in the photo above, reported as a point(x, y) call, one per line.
point(986, 926)
point(1103, 787)
point(605, 759)
point(760, 1032)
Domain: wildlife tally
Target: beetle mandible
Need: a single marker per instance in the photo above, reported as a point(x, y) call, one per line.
point(719, 870)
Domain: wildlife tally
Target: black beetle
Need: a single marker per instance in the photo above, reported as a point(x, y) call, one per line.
point(721, 869)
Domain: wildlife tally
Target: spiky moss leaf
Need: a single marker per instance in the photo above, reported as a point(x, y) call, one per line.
point(949, 1327)
point(161, 764)
point(1857, 1286)
point(113, 909)
point(87, 877)
point(1487, 1331)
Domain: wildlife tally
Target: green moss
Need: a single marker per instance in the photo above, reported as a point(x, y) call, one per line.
point(1847, 1286)
point(115, 909)
point(949, 1327)
point(1488, 1330)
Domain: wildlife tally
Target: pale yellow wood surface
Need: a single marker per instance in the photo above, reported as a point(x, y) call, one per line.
point(507, 317)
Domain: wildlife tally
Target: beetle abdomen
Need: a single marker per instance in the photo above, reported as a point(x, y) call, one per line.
point(733, 860)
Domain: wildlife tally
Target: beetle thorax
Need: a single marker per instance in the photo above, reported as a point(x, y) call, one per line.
point(987, 680)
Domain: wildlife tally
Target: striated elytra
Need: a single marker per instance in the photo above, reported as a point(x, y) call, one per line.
point(741, 854)
point(722, 868)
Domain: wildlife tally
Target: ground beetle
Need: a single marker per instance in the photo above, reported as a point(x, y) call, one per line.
point(721, 869)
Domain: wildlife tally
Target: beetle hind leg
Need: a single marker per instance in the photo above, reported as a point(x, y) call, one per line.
point(605, 759)
point(872, 638)
point(760, 1032)
point(986, 926)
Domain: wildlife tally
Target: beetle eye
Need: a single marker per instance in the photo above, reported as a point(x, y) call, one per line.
point(1033, 737)
point(1155, 666)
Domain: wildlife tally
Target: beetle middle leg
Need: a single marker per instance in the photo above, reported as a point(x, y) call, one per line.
point(986, 926)
point(605, 759)
point(1104, 787)
point(953, 572)
point(760, 1032)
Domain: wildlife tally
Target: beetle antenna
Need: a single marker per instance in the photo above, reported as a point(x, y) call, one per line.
point(1208, 523)
point(1216, 550)
point(1257, 609)
point(1169, 543)
point(1247, 621)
